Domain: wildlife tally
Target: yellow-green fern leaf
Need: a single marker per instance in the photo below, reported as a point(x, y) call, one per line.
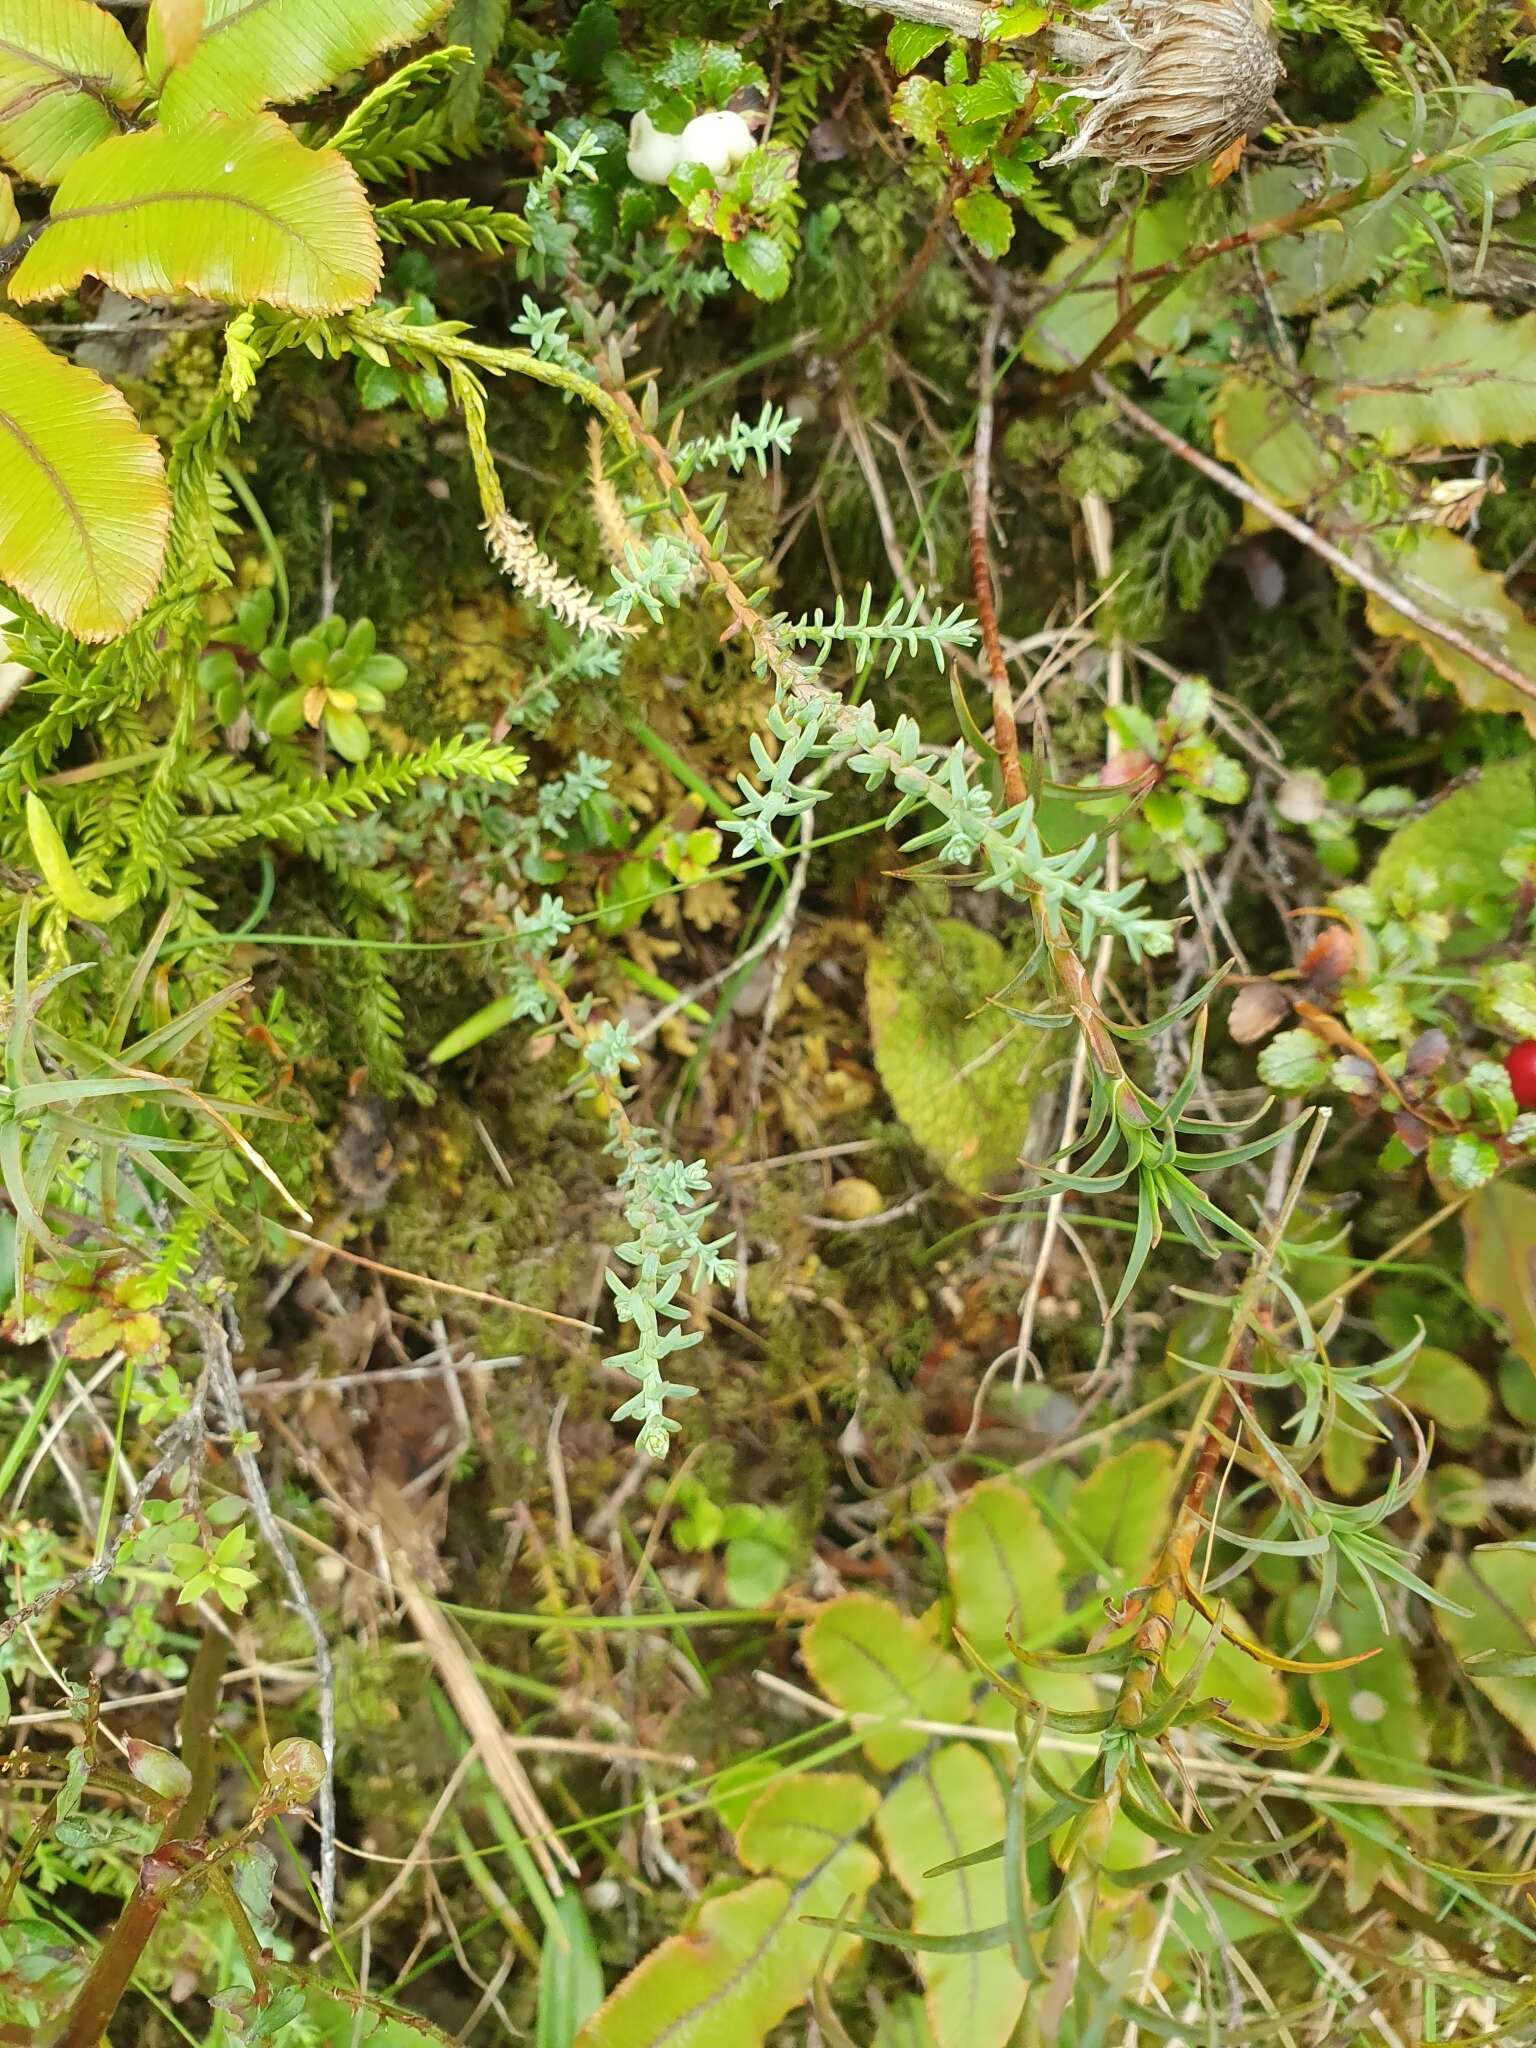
point(257, 53)
point(68, 80)
point(83, 505)
point(237, 210)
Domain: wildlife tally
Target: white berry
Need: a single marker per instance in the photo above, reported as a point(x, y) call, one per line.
point(653, 157)
point(719, 141)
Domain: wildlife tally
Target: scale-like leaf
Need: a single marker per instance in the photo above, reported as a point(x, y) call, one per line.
point(750, 1957)
point(260, 53)
point(235, 209)
point(952, 1805)
point(869, 1658)
point(83, 505)
point(1004, 1569)
point(68, 79)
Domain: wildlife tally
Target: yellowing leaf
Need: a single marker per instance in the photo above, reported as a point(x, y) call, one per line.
point(958, 1068)
point(52, 857)
point(68, 77)
point(235, 209)
point(257, 53)
point(1004, 1569)
point(1446, 1389)
point(750, 1958)
point(1500, 1226)
point(1121, 1508)
point(1409, 378)
point(83, 505)
point(950, 1806)
point(1442, 376)
point(177, 26)
point(1499, 1586)
point(1442, 572)
point(869, 1658)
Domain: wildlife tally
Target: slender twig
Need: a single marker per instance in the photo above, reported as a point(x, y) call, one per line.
point(959, 17)
point(1005, 731)
point(1166, 277)
point(1351, 570)
point(220, 1365)
point(199, 1706)
point(1096, 520)
point(523, 1308)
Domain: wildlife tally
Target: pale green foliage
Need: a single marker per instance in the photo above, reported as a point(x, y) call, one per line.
point(1492, 1588)
point(958, 1068)
point(1005, 1569)
point(752, 1956)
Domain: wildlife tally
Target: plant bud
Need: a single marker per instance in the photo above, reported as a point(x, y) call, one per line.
point(157, 1770)
point(294, 1772)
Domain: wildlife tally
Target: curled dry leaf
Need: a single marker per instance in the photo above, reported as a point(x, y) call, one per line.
point(180, 26)
point(1328, 960)
point(1256, 1011)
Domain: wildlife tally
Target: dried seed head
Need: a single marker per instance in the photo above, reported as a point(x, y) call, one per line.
point(1171, 83)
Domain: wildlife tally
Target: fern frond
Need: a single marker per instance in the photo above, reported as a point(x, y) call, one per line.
point(452, 224)
point(295, 812)
point(817, 69)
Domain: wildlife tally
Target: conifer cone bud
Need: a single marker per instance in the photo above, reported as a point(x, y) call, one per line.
point(1172, 83)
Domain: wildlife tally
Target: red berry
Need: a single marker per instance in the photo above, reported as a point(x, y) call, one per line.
point(1520, 1065)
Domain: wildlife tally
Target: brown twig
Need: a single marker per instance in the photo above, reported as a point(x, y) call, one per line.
point(959, 183)
point(1164, 278)
point(523, 1308)
point(1351, 570)
point(1005, 731)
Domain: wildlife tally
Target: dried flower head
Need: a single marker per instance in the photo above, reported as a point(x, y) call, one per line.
point(519, 555)
point(1171, 83)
